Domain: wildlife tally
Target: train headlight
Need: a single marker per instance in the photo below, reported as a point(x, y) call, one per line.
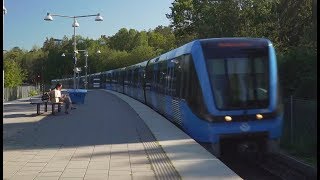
point(228, 118)
point(259, 116)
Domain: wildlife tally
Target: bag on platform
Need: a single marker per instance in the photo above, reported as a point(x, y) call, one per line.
point(45, 97)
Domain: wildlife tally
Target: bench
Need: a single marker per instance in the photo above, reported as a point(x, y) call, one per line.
point(53, 106)
point(39, 102)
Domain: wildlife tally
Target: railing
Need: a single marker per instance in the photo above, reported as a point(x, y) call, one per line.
point(300, 127)
point(11, 94)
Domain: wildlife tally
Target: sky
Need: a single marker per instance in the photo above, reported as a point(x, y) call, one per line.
point(24, 24)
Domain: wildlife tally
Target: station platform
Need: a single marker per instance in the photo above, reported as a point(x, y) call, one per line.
point(110, 136)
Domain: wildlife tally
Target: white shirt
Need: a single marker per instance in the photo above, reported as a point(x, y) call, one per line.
point(55, 95)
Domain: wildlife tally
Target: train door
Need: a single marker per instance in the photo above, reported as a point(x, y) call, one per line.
point(148, 83)
point(140, 84)
point(121, 75)
point(168, 92)
point(162, 86)
point(156, 88)
point(170, 74)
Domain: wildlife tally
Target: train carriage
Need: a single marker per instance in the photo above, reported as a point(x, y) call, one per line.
point(134, 81)
point(214, 89)
point(218, 89)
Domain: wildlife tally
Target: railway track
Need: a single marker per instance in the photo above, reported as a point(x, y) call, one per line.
point(286, 167)
point(266, 166)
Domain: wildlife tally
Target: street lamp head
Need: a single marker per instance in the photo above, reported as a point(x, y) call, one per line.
point(4, 10)
point(75, 23)
point(48, 17)
point(99, 52)
point(63, 55)
point(99, 18)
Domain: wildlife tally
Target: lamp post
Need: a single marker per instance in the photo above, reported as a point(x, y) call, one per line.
point(86, 54)
point(4, 12)
point(86, 68)
point(74, 25)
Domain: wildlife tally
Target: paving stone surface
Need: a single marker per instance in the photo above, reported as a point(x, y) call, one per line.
point(98, 140)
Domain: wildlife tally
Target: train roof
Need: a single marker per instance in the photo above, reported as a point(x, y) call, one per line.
point(175, 52)
point(187, 48)
point(139, 65)
point(253, 41)
point(114, 70)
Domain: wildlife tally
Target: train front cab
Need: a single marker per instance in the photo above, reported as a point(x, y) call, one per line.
point(240, 91)
point(181, 88)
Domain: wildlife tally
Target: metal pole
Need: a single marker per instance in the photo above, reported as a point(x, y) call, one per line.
point(42, 76)
point(75, 54)
point(86, 83)
point(4, 12)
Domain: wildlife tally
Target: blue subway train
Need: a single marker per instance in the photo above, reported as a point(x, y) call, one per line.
point(214, 89)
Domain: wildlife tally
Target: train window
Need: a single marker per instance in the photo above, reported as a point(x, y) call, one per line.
point(173, 82)
point(129, 76)
point(239, 79)
point(185, 76)
point(261, 78)
point(120, 82)
point(116, 77)
point(132, 75)
point(125, 77)
point(174, 74)
point(177, 72)
point(149, 75)
point(156, 77)
point(136, 74)
point(194, 94)
point(141, 77)
point(168, 81)
point(163, 76)
point(112, 77)
point(178, 76)
point(108, 78)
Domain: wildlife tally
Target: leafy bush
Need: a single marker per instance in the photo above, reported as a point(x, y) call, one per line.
point(33, 93)
point(298, 72)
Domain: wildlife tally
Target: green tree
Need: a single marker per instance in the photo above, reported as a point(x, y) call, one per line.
point(123, 40)
point(140, 54)
point(295, 19)
point(34, 63)
point(141, 39)
point(182, 20)
point(14, 75)
point(162, 39)
point(204, 18)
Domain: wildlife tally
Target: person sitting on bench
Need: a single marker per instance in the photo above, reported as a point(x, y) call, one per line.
point(57, 97)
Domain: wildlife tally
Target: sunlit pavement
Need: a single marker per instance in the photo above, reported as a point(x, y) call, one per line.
point(98, 140)
point(110, 136)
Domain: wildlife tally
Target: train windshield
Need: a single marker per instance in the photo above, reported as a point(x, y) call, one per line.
point(238, 75)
